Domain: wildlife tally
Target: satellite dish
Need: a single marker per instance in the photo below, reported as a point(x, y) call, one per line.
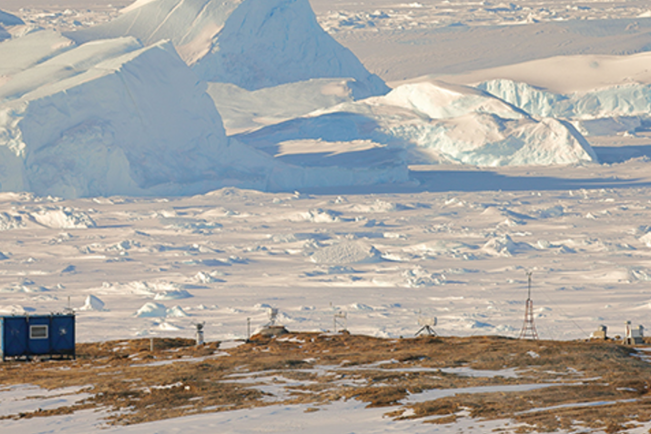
point(427, 325)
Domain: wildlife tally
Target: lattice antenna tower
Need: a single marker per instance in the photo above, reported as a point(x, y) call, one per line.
point(528, 327)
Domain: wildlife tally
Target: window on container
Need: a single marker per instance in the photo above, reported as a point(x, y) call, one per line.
point(38, 332)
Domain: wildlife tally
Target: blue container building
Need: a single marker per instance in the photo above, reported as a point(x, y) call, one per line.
point(30, 336)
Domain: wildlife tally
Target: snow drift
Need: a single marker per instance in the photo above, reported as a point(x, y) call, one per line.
point(434, 122)
point(250, 43)
point(349, 252)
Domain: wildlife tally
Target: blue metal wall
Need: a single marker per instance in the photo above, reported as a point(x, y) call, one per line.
point(62, 334)
point(18, 340)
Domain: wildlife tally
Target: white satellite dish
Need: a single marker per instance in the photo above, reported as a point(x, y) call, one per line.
point(427, 325)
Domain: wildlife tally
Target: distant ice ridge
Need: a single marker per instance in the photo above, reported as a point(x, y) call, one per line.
point(251, 43)
point(603, 111)
point(434, 122)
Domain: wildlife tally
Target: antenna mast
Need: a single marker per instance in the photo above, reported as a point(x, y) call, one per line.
point(528, 327)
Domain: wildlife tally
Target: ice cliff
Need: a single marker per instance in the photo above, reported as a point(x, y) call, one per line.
point(251, 43)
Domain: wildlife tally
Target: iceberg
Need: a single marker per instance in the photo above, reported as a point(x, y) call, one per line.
point(114, 117)
point(90, 123)
point(250, 43)
point(432, 122)
point(602, 111)
point(243, 110)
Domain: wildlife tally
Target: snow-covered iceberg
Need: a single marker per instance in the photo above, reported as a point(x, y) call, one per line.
point(243, 110)
point(92, 123)
point(113, 117)
point(250, 43)
point(435, 122)
point(606, 110)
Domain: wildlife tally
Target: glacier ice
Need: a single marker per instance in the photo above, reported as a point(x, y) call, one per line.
point(250, 43)
point(114, 109)
point(65, 65)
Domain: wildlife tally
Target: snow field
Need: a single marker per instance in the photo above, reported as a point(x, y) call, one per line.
point(432, 254)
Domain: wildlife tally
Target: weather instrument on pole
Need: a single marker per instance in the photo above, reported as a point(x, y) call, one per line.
point(340, 321)
point(273, 316)
point(199, 327)
point(427, 326)
point(528, 327)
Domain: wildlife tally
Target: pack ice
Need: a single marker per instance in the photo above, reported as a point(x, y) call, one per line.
point(251, 43)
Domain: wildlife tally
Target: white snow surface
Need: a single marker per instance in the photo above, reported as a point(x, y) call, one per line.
point(250, 43)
